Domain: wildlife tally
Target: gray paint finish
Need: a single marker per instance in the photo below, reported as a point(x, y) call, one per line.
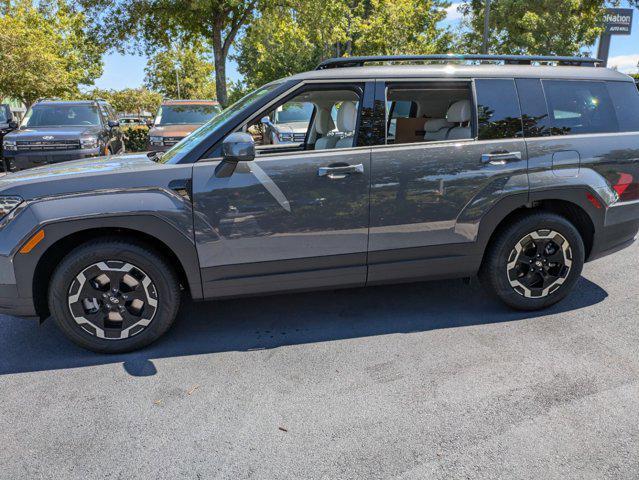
point(279, 208)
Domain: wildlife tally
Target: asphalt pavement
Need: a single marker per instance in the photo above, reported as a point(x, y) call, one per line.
point(416, 381)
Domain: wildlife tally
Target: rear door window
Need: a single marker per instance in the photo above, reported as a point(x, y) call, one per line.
point(534, 111)
point(577, 107)
point(625, 99)
point(498, 113)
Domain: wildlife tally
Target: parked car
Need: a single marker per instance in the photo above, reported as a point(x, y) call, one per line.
point(56, 131)
point(7, 124)
point(178, 118)
point(129, 121)
point(516, 173)
point(287, 125)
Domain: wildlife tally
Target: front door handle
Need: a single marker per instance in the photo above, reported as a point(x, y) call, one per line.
point(500, 158)
point(339, 171)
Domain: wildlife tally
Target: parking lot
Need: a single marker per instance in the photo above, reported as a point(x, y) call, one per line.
point(430, 380)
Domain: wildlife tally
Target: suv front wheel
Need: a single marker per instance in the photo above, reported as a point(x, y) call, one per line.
point(113, 296)
point(534, 262)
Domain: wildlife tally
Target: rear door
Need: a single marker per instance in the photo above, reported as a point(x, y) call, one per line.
point(428, 197)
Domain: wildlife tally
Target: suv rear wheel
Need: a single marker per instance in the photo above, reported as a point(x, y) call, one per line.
point(534, 262)
point(113, 296)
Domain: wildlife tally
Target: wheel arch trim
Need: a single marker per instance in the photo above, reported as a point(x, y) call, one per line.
point(146, 225)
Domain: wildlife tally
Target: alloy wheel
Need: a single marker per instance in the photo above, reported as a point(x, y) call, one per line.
point(113, 300)
point(539, 264)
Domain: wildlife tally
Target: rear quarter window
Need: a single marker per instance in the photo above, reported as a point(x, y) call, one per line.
point(625, 99)
point(577, 107)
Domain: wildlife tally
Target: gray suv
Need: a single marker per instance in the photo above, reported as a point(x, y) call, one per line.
point(56, 131)
point(516, 169)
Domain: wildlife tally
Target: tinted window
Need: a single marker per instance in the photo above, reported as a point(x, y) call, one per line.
point(186, 114)
point(534, 112)
point(294, 112)
point(498, 114)
point(62, 116)
point(625, 99)
point(579, 107)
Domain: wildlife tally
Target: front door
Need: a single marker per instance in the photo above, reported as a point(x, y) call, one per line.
point(440, 171)
point(297, 216)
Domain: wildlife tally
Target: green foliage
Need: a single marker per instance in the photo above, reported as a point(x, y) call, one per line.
point(45, 50)
point(193, 68)
point(136, 139)
point(540, 27)
point(149, 24)
point(295, 36)
point(129, 100)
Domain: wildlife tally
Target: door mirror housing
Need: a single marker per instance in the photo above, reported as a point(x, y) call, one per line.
point(113, 124)
point(237, 147)
point(13, 125)
point(266, 121)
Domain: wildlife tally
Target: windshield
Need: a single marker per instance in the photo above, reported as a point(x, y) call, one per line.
point(182, 148)
point(3, 114)
point(188, 114)
point(62, 116)
point(294, 112)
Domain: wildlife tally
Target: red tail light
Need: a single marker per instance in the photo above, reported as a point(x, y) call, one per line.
point(626, 188)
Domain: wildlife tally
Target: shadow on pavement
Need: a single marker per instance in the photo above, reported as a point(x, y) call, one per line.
point(275, 321)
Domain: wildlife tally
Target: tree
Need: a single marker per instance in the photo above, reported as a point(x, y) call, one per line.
point(46, 51)
point(540, 27)
point(188, 65)
point(290, 38)
point(136, 100)
point(150, 24)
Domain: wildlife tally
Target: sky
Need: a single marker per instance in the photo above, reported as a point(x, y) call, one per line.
point(123, 71)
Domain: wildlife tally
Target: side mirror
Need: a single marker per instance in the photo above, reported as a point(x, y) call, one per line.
point(13, 125)
point(237, 147)
point(113, 124)
point(149, 123)
point(266, 121)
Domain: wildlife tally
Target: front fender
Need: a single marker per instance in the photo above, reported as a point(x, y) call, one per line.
point(159, 213)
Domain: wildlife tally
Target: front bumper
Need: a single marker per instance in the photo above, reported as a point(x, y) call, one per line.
point(11, 304)
point(21, 160)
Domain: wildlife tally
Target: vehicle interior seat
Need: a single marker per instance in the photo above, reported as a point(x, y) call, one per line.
point(436, 129)
point(459, 114)
point(346, 123)
point(324, 125)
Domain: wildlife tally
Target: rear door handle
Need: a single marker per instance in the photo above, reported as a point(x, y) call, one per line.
point(500, 158)
point(339, 171)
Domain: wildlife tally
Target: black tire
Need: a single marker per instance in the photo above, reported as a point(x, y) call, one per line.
point(514, 285)
point(157, 287)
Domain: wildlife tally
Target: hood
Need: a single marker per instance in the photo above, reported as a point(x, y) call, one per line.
point(172, 130)
point(100, 173)
point(292, 127)
point(58, 133)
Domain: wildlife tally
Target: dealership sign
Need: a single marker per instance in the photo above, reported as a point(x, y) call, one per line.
point(618, 21)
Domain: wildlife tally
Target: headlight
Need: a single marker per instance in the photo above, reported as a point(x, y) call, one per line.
point(286, 137)
point(155, 140)
point(8, 204)
point(89, 142)
point(9, 145)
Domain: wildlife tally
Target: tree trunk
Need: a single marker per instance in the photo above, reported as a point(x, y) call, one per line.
point(220, 69)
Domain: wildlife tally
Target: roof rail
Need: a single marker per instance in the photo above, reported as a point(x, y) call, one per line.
point(453, 58)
